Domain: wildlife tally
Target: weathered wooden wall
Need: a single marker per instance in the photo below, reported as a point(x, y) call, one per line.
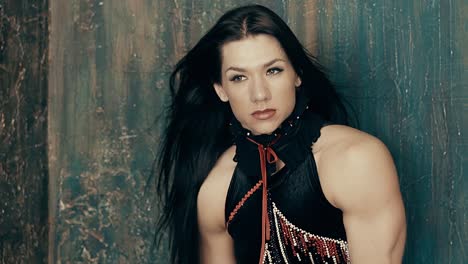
point(23, 131)
point(402, 64)
point(107, 64)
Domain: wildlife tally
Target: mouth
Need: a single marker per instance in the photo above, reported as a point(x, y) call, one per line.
point(264, 114)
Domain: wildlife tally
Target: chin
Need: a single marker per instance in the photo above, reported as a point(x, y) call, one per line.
point(265, 127)
point(266, 130)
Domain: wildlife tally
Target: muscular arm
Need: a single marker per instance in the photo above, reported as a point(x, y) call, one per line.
point(365, 187)
point(216, 244)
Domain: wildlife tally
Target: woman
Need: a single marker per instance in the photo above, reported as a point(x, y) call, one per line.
point(255, 167)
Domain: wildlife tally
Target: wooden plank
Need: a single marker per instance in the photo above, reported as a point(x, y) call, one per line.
point(403, 66)
point(106, 67)
point(23, 131)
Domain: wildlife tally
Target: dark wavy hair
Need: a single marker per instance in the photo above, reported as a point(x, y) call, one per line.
point(197, 121)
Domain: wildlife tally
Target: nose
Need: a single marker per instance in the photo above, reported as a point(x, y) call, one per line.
point(259, 90)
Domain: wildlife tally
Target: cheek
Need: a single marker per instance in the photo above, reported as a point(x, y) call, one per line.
point(289, 101)
point(287, 96)
point(239, 108)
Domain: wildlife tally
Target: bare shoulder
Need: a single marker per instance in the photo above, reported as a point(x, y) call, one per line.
point(357, 175)
point(340, 137)
point(354, 166)
point(213, 191)
point(216, 245)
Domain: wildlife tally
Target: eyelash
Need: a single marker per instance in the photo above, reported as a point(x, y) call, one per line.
point(236, 78)
point(275, 69)
point(271, 71)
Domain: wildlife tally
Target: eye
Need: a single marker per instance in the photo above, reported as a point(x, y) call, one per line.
point(237, 78)
point(273, 71)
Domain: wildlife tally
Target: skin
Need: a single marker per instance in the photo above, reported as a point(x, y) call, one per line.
point(365, 185)
point(257, 75)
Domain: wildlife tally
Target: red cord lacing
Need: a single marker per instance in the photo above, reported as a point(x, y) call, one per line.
point(266, 154)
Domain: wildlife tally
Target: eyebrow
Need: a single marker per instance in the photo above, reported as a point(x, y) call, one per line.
point(264, 65)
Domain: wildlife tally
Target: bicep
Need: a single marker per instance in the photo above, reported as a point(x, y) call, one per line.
point(216, 245)
point(377, 235)
point(373, 211)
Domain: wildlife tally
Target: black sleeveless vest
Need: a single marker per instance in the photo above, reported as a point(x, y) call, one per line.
point(288, 219)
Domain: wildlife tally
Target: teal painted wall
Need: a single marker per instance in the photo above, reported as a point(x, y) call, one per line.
point(402, 64)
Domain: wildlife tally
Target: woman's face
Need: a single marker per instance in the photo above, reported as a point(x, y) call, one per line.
point(258, 81)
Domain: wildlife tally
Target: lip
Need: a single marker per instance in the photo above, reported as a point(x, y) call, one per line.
point(264, 114)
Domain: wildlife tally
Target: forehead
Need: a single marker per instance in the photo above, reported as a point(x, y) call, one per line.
point(252, 51)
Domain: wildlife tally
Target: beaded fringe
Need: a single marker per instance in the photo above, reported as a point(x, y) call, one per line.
point(290, 244)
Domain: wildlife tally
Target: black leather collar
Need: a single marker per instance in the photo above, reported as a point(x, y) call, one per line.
point(291, 141)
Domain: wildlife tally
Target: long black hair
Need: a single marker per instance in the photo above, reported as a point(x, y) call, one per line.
point(197, 126)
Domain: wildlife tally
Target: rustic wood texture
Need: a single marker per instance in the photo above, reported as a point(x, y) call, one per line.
point(23, 131)
point(402, 64)
point(106, 73)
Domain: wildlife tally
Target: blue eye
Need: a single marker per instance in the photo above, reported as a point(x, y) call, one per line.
point(237, 78)
point(274, 71)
